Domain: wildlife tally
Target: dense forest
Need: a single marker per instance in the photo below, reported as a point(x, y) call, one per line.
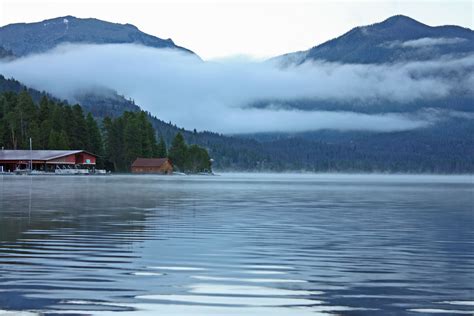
point(228, 152)
point(118, 142)
point(131, 135)
point(445, 147)
point(50, 125)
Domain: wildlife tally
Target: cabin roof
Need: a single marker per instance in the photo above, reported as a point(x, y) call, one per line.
point(149, 162)
point(37, 154)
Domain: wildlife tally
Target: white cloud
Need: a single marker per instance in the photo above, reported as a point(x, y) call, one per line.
point(429, 41)
point(214, 96)
point(426, 42)
point(235, 121)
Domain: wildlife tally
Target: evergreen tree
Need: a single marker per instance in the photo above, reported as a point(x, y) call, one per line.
point(57, 126)
point(198, 160)
point(44, 132)
point(149, 146)
point(67, 122)
point(58, 140)
point(178, 152)
point(3, 123)
point(161, 150)
point(44, 121)
point(34, 133)
point(108, 142)
point(44, 109)
point(127, 138)
point(12, 124)
point(132, 138)
point(26, 115)
point(78, 134)
point(94, 139)
point(63, 141)
point(113, 142)
point(60, 117)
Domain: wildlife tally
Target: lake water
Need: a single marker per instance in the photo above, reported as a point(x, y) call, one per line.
point(237, 244)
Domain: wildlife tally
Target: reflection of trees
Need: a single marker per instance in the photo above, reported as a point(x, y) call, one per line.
point(71, 204)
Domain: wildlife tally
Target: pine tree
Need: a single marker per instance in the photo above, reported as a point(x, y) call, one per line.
point(12, 124)
point(34, 134)
point(59, 117)
point(198, 160)
point(109, 139)
point(94, 139)
point(178, 152)
point(161, 151)
point(63, 141)
point(26, 114)
point(44, 132)
point(44, 122)
point(148, 138)
point(44, 109)
point(3, 128)
point(58, 126)
point(78, 135)
point(58, 140)
point(132, 138)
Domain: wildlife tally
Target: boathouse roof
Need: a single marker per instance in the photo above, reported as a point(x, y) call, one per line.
point(149, 162)
point(37, 154)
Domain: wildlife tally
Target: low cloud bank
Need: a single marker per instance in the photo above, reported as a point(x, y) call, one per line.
point(430, 41)
point(215, 95)
point(426, 42)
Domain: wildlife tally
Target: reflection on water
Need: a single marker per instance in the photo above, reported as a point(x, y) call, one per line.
point(237, 245)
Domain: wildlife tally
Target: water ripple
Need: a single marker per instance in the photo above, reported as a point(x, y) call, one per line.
point(275, 245)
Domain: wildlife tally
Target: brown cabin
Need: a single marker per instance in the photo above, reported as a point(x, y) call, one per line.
point(152, 165)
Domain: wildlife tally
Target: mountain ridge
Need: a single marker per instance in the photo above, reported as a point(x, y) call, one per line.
point(37, 37)
point(370, 44)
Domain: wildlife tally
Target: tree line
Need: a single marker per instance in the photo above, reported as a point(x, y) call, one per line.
point(50, 125)
point(55, 125)
point(443, 147)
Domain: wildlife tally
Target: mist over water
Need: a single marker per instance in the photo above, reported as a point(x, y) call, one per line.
point(237, 244)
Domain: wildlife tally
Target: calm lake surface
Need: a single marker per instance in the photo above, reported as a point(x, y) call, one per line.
point(237, 244)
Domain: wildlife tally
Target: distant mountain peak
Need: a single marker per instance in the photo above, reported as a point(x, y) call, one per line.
point(397, 23)
point(400, 18)
point(384, 42)
point(27, 38)
point(58, 20)
point(67, 17)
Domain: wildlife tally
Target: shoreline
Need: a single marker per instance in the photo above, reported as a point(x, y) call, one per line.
point(279, 177)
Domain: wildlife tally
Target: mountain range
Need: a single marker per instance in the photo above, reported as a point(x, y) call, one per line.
point(447, 146)
point(397, 39)
point(28, 38)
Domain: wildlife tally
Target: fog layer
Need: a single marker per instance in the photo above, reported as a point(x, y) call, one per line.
point(215, 96)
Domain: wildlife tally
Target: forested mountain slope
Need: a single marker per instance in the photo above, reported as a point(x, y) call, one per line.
point(397, 39)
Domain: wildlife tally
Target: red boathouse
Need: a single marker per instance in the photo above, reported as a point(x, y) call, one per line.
point(45, 160)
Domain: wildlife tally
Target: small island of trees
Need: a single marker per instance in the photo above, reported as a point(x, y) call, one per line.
point(117, 141)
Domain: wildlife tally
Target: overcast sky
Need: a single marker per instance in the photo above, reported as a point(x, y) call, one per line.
point(256, 28)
